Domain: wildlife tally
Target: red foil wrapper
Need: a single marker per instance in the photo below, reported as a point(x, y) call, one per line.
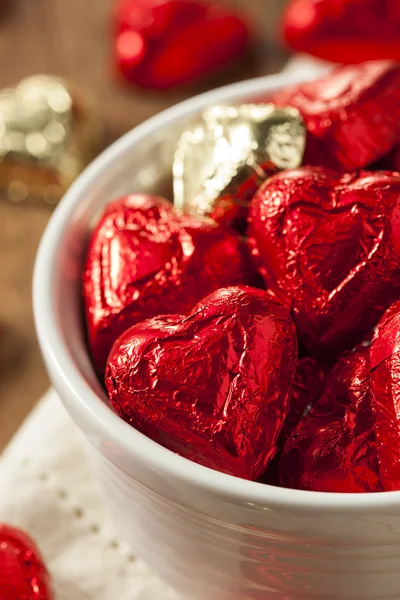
point(232, 209)
point(347, 32)
point(212, 386)
point(145, 260)
point(329, 247)
point(385, 385)
point(352, 114)
point(333, 449)
point(161, 44)
point(307, 385)
point(23, 575)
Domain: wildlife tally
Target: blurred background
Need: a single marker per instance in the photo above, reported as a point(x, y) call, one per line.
point(75, 39)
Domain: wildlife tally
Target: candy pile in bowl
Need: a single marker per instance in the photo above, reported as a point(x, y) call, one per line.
point(254, 326)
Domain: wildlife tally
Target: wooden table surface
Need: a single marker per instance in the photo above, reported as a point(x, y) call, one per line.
point(71, 38)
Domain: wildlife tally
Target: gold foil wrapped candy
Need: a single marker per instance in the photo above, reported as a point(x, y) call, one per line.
point(222, 159)
point(47, 136)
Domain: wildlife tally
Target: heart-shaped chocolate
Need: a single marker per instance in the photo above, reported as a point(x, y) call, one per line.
point(48, 133)
point(329, 247)
point(349, 31)
point(161, 44)
point(23, 574)
point(145, 260)
point(212, 386)
point(385, 385)
point(223, 158)
point(352, 114)
point(333, 449)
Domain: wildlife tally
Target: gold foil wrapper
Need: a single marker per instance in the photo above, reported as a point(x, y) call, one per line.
point(222, 158)
point(48, 134)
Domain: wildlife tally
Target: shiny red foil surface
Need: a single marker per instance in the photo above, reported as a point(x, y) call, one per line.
point(212, 386)
point(144, 260)
point(23, 575)
point(348, 31)
point(307, 384)
point(385, 385)
point(333, 449)
point(351, 114)
point(161, 44)
point(329, 247)
point(232, 209)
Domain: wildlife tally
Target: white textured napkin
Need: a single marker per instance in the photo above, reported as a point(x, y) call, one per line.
point(48, 490)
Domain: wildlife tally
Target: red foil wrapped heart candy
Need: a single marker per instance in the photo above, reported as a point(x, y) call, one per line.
point(385, 384)
point(307, 384)
point(329, 247)
point(352, 114)
point(23, 575)
point(348, 31)
point(212, 386)
point(161, 44)
point(145, 260)
point(333, 449)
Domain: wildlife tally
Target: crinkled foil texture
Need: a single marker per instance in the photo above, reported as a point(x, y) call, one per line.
point(225, 155)
point(222, 383)
point(329, 247)
point(333, 449)
point(145, 260)
point(212, 386)
point(349, 441)
point(385, 385)
point(307, 385)
point(351, 114)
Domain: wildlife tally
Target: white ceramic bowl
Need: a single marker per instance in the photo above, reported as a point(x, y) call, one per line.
point(213, 536)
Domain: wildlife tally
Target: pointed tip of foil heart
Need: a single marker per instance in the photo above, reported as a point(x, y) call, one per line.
point(212, 386)
point(324, 242)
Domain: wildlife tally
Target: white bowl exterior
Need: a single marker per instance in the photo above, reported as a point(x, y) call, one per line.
point(212, 536)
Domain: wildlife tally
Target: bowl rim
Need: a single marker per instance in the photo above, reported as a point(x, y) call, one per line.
point(90, 405)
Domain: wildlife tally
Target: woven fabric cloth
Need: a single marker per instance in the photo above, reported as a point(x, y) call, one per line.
point(48, 490)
